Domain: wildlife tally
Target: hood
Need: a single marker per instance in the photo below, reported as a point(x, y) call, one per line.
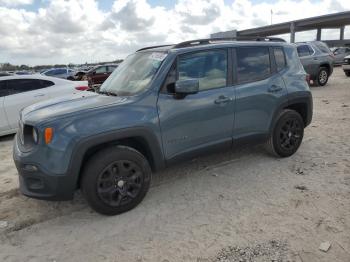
point(67, 105)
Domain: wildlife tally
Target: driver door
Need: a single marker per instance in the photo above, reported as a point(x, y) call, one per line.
point(197, 121)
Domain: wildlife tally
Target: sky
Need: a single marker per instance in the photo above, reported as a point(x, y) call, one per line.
point(37, 32)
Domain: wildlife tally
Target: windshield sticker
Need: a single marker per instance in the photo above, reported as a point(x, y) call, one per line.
point(157, 56)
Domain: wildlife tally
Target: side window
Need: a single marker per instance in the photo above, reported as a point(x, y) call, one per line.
point(50, 72)
point(253, 63)
point(209, 67)
point(111, 69)
point(303, 50)
point(3, 89)
point(45, 83)
point(23, 85)
point(101, 70)
point(61, 71)
point(323, 47)
point(279, 58)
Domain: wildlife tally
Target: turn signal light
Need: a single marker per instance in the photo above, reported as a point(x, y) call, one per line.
point(48, 135)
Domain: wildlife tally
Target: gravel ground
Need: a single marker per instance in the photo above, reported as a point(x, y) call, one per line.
point(233, 206)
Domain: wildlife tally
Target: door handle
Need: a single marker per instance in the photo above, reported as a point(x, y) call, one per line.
point(222, 99)
point(39, 95)
point(274, 88)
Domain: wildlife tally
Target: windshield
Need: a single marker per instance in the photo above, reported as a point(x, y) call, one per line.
point(134, 74)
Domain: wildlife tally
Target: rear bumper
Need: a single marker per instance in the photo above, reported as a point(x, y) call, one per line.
point(35, 182)
point(346, 67)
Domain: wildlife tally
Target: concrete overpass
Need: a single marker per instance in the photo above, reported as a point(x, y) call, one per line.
point(331, 21)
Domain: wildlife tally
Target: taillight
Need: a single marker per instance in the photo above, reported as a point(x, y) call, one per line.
point(82, 88)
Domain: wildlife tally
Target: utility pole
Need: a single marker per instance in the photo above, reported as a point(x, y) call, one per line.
point(271, 16)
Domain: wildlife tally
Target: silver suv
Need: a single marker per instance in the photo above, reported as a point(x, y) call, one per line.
point(317, 60)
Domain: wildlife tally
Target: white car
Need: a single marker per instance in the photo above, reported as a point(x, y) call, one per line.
point(17, 92)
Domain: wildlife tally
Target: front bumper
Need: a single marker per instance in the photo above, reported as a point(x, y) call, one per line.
point(36, 182)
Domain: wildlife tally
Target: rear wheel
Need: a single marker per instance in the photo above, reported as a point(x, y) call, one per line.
point(287, 134)
point(115, 180)
point(322, 77)
point(347, 73)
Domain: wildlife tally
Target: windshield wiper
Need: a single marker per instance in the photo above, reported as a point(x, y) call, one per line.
point(107, 93)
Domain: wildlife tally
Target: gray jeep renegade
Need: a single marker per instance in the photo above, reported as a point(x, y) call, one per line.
point(163, 104)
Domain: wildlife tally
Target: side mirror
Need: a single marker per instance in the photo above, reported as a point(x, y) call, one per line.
point(94, 73)
point(187, 87)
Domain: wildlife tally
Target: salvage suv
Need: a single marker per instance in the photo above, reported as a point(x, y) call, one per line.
point(163, 104)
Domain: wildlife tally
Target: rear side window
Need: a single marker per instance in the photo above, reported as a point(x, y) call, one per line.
point(23, 85)
point(209, 67)
point(279, 58)
point(323, 47)
point(3, 89)
point(253, 63)
point(304, 50)
point(101, 70)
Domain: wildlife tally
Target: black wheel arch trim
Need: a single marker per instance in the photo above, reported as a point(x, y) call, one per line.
point(307, 100)
point(85, 144)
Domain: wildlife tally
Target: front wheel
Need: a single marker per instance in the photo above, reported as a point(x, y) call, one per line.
point(322, 77)
point(287, 134)
point(115, 180)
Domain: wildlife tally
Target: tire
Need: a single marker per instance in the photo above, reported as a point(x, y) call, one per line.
point(287, 134)
point(322, 76)
point(347, 73)
point(115, 180)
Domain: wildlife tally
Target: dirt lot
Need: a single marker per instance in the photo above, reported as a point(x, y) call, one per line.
point(235, 206)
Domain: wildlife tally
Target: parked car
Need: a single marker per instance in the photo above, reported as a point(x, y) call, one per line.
point(17, 92)
point(162, 105)
point(97, 75)
point(23, 73)
point(64, 73)
point(317, 60)
point(346, 65)
point(340, 53)
point(4, 74)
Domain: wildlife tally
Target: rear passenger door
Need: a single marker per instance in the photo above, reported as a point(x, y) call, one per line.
point(259, 89)
point(22, 93)
point(4, 126)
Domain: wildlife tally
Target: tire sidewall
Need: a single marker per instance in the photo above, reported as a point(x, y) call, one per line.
point(97, 163)
point(322, 69)
point(285, 115)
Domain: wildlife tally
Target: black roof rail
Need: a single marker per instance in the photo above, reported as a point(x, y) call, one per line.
point(206, 41)
point(150, 47)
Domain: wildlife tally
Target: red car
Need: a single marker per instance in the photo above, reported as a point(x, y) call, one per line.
point(97, 75)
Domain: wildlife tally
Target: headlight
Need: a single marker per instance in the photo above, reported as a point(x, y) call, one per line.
point(35, 135)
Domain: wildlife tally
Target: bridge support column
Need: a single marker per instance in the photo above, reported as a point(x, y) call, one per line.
point(342, 32)
point(292, 33)
point(319, 32)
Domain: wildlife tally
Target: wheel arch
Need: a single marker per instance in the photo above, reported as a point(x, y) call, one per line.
point(303, 105)
point(141, 139)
